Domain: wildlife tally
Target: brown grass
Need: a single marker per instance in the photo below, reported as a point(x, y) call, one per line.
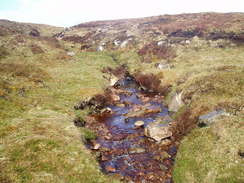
point(32, 73)
point(153, 51)
point(151, 82)
point(118, 71)
point(36, 49)
point(3, 52)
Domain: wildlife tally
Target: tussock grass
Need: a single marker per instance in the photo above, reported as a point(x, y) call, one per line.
point(211, 78)
point(39, 142)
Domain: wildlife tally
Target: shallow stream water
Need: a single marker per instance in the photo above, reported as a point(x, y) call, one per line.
point(123, 148)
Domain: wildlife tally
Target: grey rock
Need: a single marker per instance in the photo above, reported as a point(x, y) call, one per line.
point(100, 48)
point(116, 42)
point(160, 43)
point(96, 146)
point(158, 130)
point(106, 110)
point(71, 53)
point(210, 118)
point(124, 44)
point(139, 124)
point(176, 103)
point(162, 66)
point(115, 97)
point(113, 80)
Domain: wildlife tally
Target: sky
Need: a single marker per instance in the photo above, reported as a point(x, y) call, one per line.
point(66, 13)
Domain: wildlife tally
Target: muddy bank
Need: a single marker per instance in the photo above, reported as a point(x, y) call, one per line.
point(134, 136)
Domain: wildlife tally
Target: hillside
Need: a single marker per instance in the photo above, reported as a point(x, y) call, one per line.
point(194, 59)
point(174, 29)
point(9, 27)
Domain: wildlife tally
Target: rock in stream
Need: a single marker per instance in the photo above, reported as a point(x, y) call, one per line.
point(128, 137)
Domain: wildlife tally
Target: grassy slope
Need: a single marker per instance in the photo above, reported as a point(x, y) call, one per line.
point(213, 79)
point(39, 142)
point(8, 27)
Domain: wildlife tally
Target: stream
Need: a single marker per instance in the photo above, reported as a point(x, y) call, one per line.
point(122, 147)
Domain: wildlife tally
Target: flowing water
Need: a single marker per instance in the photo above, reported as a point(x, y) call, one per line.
point(123, 148)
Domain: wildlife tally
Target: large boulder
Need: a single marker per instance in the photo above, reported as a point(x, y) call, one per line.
point(176, 103)
point(158, 130)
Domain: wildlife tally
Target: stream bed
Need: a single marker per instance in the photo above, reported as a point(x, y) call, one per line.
point(123, 147)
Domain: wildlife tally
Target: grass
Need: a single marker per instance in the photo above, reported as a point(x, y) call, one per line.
point(211, 78)
point(39, 142)
point(211, 154)
point(88, 135)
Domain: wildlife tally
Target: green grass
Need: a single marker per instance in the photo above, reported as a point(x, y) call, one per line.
point(88, 134)
point(39, 142)
point(211, 154)
point(210, 78)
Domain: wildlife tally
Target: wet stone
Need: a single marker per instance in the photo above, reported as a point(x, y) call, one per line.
point(115, 97)
point(139, 124)
point(96, 146)
point(137, 150)
point(158, 131)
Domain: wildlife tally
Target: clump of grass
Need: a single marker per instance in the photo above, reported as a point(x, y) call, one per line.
point(88, 134)
point(150, 82)
point(36, 49)
point(30, 72)
point(3, 52)
point(153, 51)
point(117, 71)
point(51, 41)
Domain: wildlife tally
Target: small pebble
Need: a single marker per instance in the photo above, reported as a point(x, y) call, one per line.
point(139, 124)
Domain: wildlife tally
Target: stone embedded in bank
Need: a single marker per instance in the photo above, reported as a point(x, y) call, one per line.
point(176, 102)
point(209, 118)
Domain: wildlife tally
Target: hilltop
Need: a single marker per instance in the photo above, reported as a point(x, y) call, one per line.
point(170, 28)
